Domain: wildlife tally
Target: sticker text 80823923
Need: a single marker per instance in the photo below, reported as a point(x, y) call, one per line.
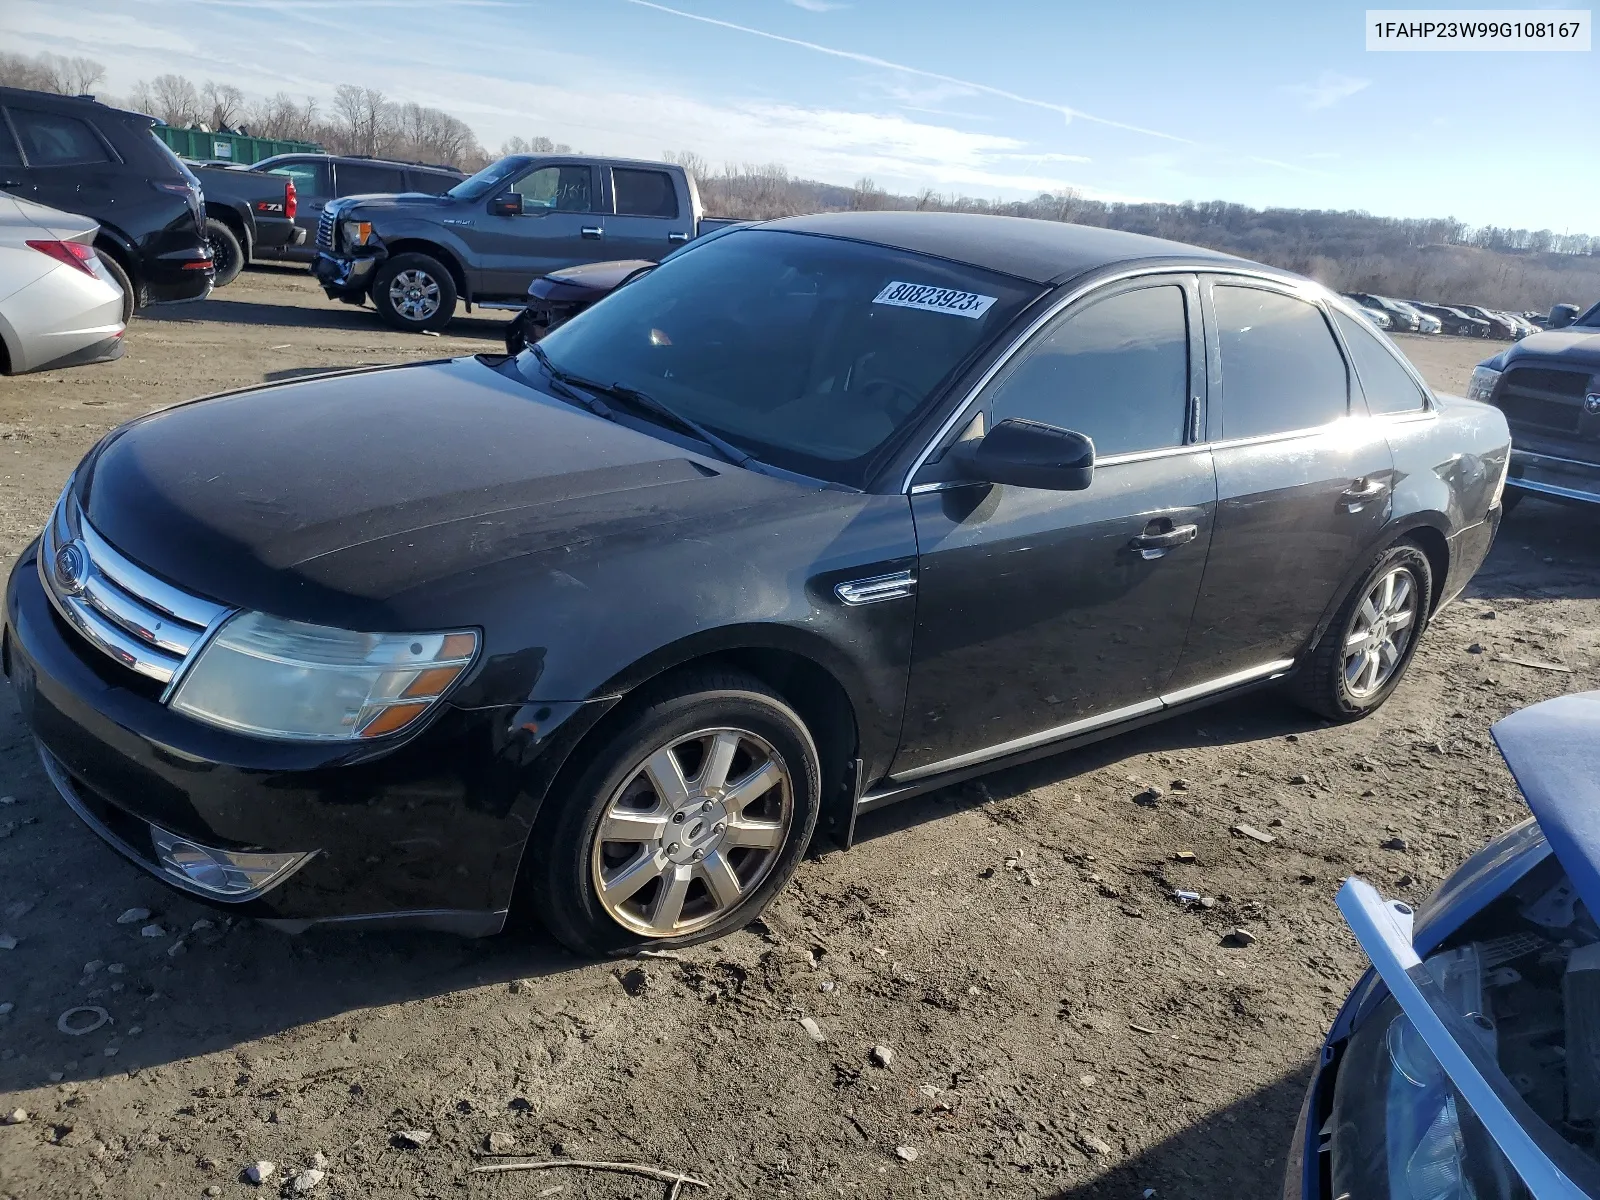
point(935, 299)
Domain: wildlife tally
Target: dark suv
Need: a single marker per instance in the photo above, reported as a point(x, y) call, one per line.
point(319, 178)
point(80, 156)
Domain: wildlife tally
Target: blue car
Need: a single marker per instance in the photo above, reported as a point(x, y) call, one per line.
point(1466, 1064)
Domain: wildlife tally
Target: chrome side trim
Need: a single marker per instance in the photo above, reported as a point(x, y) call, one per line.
point(1099, 721)
point(1248, 675)
point(1017, 745)
point(877, 588)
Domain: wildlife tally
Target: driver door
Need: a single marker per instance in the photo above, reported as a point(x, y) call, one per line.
point(1040, 613)
point(560, 226)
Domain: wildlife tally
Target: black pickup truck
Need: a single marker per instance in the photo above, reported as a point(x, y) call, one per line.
point(246, 213)
point(485, 240)
point(1548, 386)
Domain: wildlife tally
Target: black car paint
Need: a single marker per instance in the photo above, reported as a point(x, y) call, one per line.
point(253, 206)
point(596, 555)
point(147, 204)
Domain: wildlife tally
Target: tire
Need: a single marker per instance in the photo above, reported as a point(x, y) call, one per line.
point(418, 285)
point(227, 255)
point(1329, 683)
point(673, 873)
point(130, 298)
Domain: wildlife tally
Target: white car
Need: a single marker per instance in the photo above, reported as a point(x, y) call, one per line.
point(59, 307)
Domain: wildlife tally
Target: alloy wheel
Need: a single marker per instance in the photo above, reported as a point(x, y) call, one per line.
point(1380, 630)
point(694, 830)
point(414, 294)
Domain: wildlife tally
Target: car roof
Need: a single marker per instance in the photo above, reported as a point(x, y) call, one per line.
point(363, 160)
point(1038, 251)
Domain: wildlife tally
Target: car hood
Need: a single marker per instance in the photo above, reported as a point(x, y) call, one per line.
point(1575, 344)
point(1553, 750)
point(381, 202)
point(341, 500)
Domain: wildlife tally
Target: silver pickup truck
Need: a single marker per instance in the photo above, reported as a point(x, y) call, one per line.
point(488, 238)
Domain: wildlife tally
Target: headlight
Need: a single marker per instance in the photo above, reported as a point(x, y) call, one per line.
point(1481, 385)
point(284, 679)
point(357, 233)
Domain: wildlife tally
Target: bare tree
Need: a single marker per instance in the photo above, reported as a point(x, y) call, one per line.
point(50, 73)
point(174, 99)
point(366, 117)
point(691, 162)
point(222, 103)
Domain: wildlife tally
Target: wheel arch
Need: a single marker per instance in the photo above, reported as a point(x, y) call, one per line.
point(117, 244)
point(446, 256)
point(1424, 530)
point(234, 220)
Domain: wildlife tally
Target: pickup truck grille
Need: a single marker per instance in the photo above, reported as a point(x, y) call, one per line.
point(325, 232)
point(1542, 398)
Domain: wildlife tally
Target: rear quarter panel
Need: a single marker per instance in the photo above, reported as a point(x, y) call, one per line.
point(1448, 464)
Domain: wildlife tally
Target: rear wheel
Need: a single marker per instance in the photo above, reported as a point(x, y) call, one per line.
point(130, 298)
point(1370, 642)
point(227, 255)
point(414, 293)
point(684, 823)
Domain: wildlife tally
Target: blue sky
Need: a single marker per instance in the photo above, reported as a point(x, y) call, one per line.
point(1264, 104)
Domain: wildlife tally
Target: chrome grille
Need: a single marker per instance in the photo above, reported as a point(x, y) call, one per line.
point(142, 622)
point(1543, 398)
point(325, 231)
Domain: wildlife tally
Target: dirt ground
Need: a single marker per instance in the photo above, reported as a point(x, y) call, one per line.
point(1059, 1025)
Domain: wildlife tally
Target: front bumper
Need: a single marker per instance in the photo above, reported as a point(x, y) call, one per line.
point(429, 832)
point(1559, 478)
point(344, 276)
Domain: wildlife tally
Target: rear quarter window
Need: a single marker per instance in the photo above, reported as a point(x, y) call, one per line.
point(57, 140)
point(1388, 386)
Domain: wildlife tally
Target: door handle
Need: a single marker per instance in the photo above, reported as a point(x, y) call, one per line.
point(593, 232)
point(1152, 545)
point(677, 237)
point(1356, 497)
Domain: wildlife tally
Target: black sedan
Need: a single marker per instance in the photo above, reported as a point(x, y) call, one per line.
point(817, 515)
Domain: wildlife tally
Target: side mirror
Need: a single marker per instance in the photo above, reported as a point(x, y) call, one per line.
point(1027, 454)
point(506, 204)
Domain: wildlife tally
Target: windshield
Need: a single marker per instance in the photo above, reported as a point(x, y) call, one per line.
point(809, 353)
point(475, 187)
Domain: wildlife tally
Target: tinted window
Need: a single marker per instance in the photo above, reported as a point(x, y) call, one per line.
point(1388, 385)
point(431, 182)
point(812, 353)
point(1117, 371)
point(8, 148)
point(561, 189)
point(55, 140)
point(1281, 369)
point(310, 178)
point(644, 193)
point(361, 179)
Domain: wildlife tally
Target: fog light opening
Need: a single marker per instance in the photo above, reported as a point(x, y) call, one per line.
point(223, 873)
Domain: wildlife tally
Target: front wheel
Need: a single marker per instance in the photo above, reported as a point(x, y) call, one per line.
point(1358, 662)
point(683, 825)
point(414, 293)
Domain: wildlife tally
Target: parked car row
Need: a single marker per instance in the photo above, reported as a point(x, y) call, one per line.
point(1461, 320)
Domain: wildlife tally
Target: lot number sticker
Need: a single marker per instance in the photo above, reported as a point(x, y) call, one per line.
point(935, 299)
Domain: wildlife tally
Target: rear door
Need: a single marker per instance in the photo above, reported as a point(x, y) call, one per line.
point(1042, 613)
point(1303, 481)
point(561, 225)
point(648, 218)
point(367, 179)
point(66, 163)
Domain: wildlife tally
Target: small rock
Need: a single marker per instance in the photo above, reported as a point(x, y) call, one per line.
point(827, 985)
point(178, 947)
point(319, 1160)
point(153, 930)
point(1275, 823)
point(117, 968)
point(813, 1029)
point(1404, 881)
point(1395, 843)
point(415, 1138)
point(212, 1189)
point(1489, 614)
point(1180, 785)
point(1293, 737)
point(259, 1172)
point(1149, 798)
point(8, 799)
point(7, 942)
point(882, 1056)
point(93, 965)
point(1094, 1145)
point(7, 1009)
point(307, 1179)
point(202, 923)
point(133, 916)
point(1254, 834)
point(517, 986)
point(1185, 856)
point(1238, 937)
point(1475, 648)
point(15, 1117)
point(500, 1142)
point(1300, 778)
point(906, 1153)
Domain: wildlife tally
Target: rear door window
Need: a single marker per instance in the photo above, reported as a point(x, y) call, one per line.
point(310, 178)
point(57, 140)
point(644, 193)
point(1117, 371)
point(362, 179)
point(1281, 369)
point(1388, 386)
point(432, 182)
point(557, 189)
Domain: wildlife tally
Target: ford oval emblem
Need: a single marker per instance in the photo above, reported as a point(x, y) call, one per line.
point(1591, 404)
point(71, 569)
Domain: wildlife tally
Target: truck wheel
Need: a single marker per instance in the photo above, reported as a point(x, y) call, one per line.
point(1369, 643)
point(682, 825)
point(227, 255)
point(414, 293)
point(130, 297)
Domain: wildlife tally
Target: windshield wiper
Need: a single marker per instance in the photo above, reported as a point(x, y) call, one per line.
point(644, 401)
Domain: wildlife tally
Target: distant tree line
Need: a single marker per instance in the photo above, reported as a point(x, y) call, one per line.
point(1431, 259)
